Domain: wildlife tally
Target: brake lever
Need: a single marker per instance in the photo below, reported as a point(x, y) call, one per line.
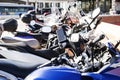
point(117, 44)
point(98, 22)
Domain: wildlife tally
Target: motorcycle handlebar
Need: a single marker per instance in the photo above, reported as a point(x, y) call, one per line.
point(97, 39)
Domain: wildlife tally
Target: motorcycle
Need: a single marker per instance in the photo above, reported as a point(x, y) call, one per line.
point(33, 39)
point(81, 30)
point(20, 67)
point(26, 47)
point(107, 72)
point(62, 67)
point(42, 55)
point(88, 51)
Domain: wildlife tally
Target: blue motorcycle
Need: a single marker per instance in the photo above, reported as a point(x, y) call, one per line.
point(62, 68)
point(61, 72)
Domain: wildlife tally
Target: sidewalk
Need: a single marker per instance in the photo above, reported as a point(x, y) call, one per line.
point(111, 31)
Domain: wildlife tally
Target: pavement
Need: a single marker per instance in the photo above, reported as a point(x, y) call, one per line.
point(111, 31)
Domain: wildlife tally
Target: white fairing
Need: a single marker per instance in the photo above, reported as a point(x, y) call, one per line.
point(6, 76)
point(51, 19)
point(74, 37)
point(32, 22)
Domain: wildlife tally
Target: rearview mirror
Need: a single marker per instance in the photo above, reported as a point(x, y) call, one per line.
point(95, 13)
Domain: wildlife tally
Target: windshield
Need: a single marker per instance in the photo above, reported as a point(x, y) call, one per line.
point(53, 18)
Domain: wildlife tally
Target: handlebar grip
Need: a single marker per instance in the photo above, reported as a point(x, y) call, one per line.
point(117, 44)
point(102, 36)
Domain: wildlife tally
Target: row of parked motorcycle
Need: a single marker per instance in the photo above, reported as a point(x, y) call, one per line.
point(68, 49)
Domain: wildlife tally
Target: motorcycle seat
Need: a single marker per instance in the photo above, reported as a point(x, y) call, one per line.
point(22, 47)
point(18, 41)
point(47, 53)
point(17, 68)
point(14, 46)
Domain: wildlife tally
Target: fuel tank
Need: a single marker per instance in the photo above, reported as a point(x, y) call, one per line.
point(55, 73)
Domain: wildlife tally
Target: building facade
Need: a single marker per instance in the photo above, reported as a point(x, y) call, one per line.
point(42, 5)
point(117, 6)
point(86, 5)
point(105, 5)
point(48, 3)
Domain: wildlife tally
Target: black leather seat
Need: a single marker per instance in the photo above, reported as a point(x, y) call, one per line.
point(22, 47)
point(17, 68)
point(37, 36)
point(15, 46)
